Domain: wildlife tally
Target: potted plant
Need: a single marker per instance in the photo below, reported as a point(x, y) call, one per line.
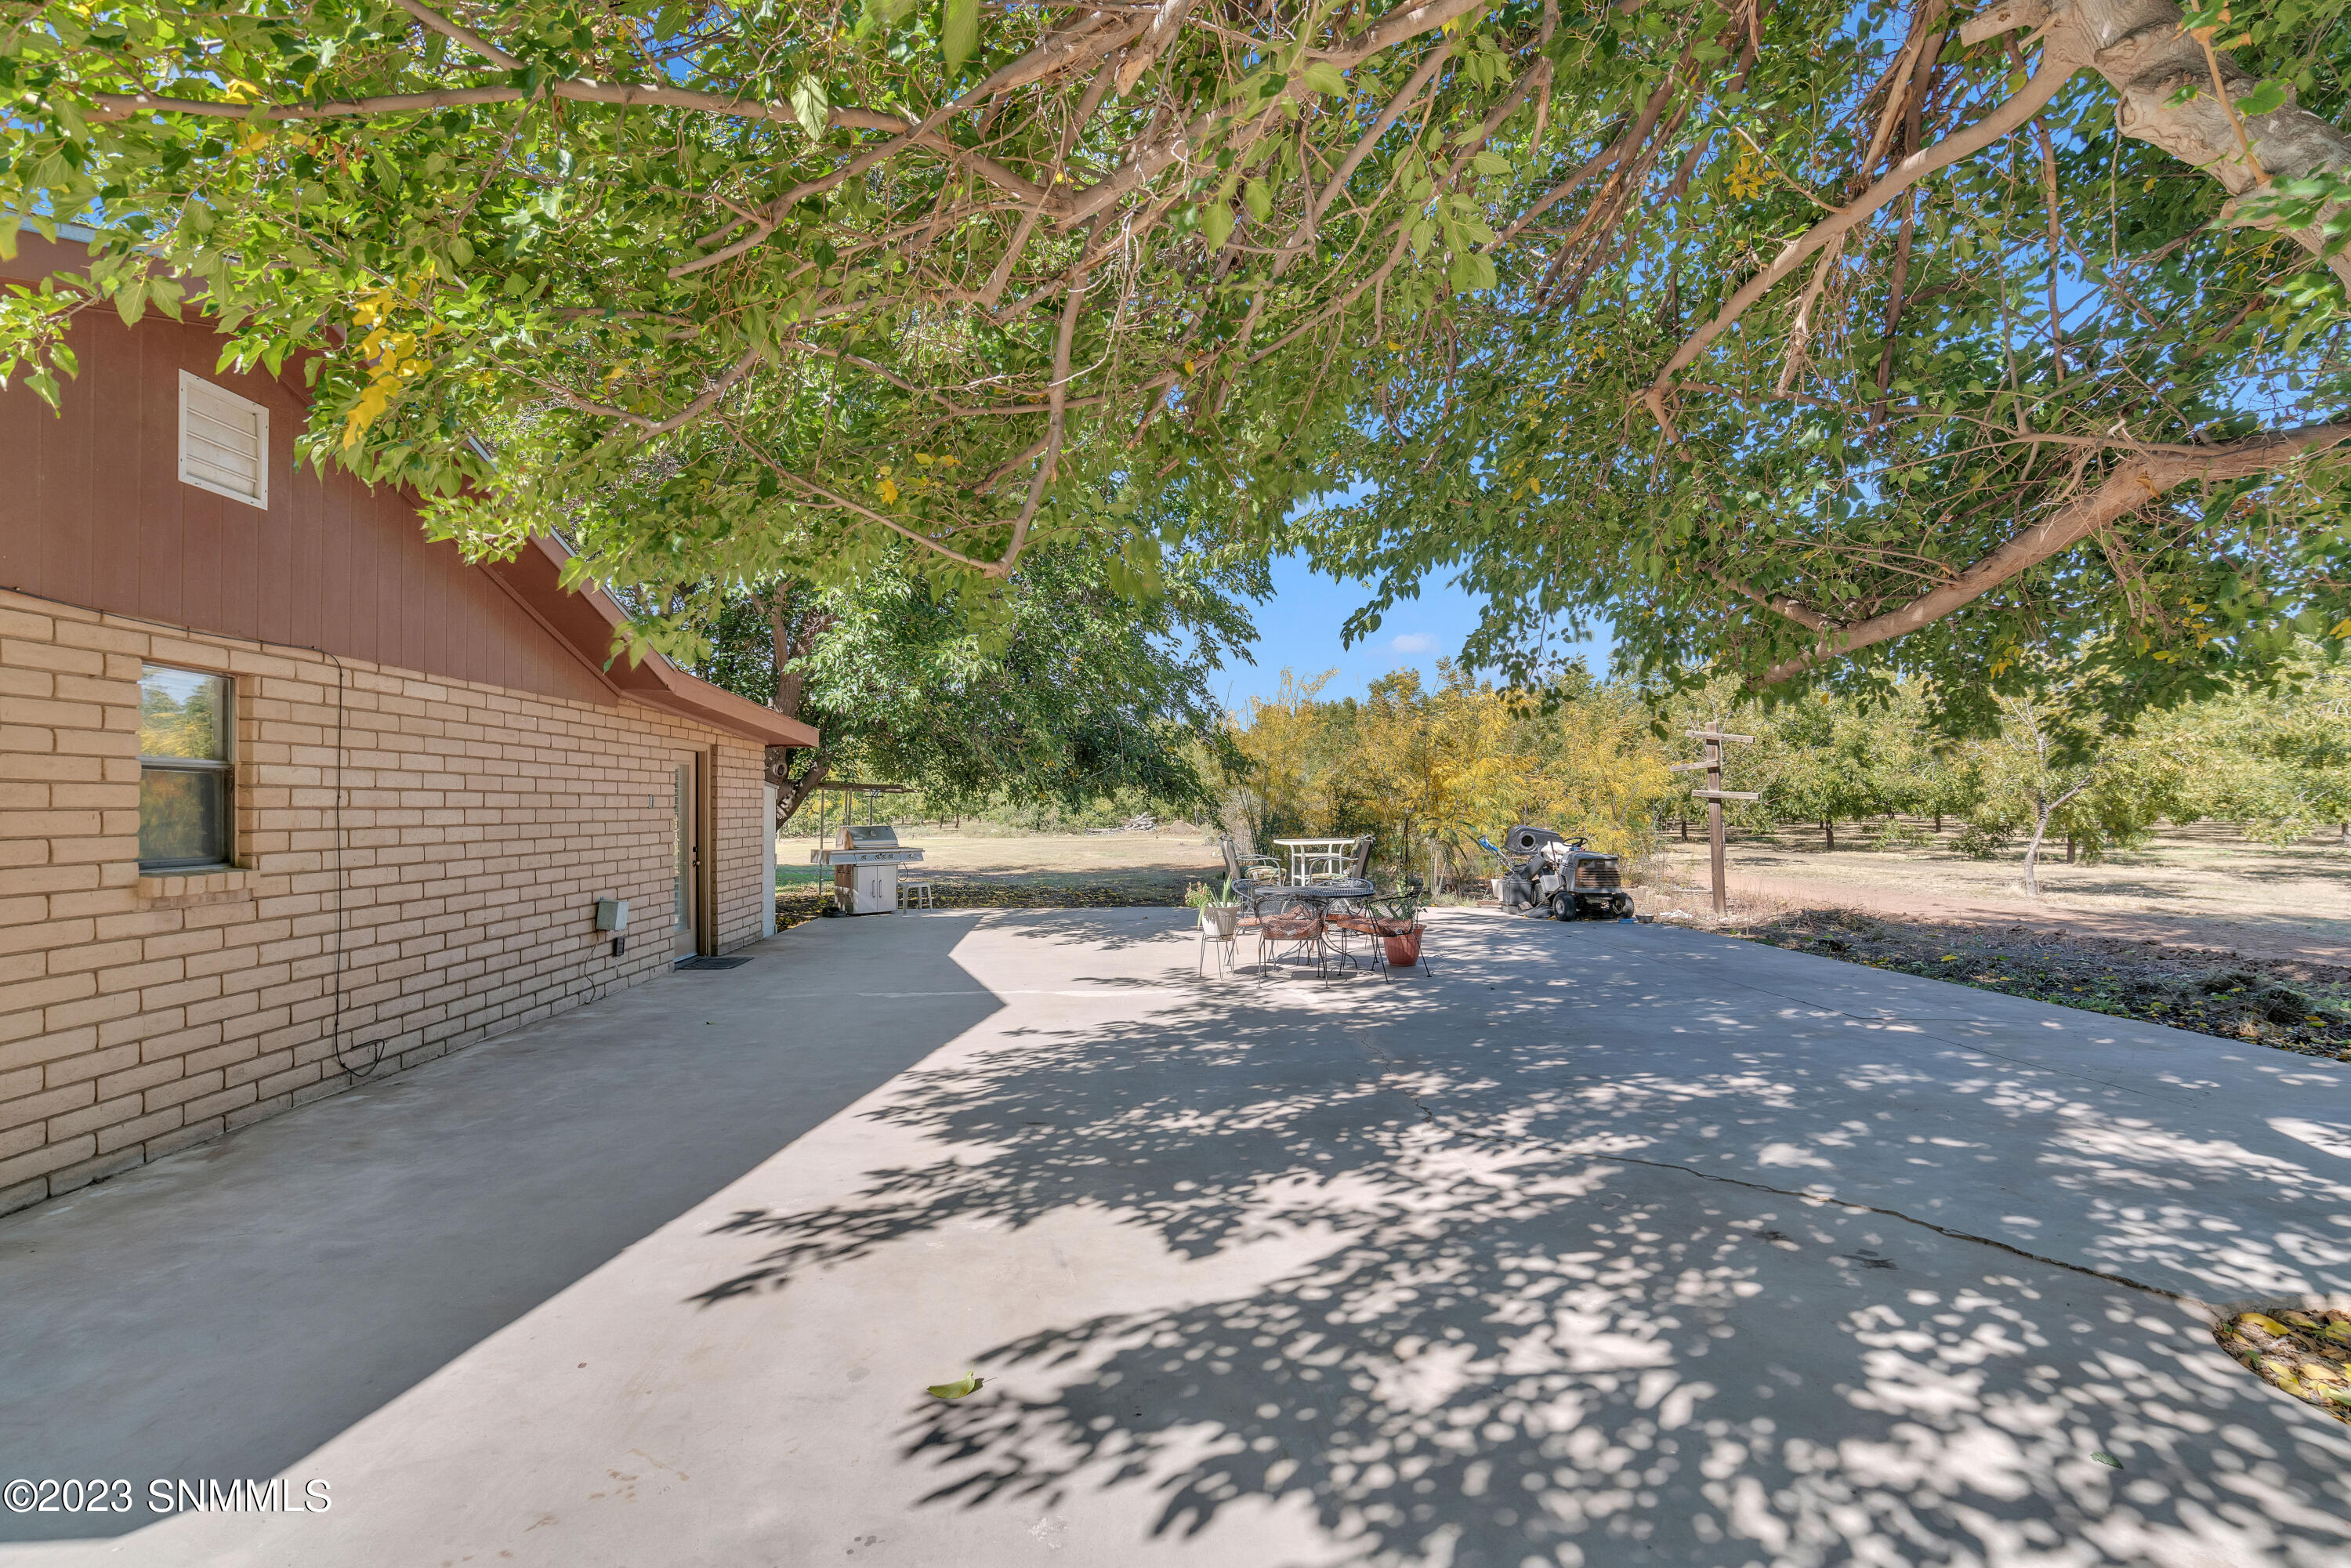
point(1219, 911)
point(1400, 931)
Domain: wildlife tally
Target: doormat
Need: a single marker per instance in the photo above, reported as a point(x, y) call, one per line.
point(705, 961)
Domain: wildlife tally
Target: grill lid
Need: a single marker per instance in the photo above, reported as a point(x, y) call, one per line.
point(877, 837)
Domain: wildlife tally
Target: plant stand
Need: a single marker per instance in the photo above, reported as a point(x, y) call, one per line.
point(1220, 927)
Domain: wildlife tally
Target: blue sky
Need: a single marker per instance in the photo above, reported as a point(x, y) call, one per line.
point(1299, 627)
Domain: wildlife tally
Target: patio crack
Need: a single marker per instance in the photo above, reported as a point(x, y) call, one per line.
point(1447, 1125)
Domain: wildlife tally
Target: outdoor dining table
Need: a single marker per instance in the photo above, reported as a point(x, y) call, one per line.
point(1310, 858)
point(1324, 893)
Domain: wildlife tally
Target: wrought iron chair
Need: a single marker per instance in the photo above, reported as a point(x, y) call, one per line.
point(1245, 872)
point(1298, 928)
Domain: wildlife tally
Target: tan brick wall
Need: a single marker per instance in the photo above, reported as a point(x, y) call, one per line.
point(140, 1014)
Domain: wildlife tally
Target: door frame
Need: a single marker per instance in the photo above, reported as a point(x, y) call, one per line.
point(705, 834)
point(770, 798)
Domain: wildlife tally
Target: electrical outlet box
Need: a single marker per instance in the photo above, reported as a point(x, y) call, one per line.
point(611, 914)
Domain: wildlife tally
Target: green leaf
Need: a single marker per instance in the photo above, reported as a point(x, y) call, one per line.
point(1260, 197)
point(2266, 98)
point(811, 105)
point(1490, 162)
point(1215, 226)
point(969, 1383)
point(1323, 77)
point(959, 33)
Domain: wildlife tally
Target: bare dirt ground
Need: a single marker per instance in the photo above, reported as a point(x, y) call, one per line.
point(984, 870)
point(2203, 886)
point(2202, 930)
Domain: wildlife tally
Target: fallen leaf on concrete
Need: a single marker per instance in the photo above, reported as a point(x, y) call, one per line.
point(969, 1383)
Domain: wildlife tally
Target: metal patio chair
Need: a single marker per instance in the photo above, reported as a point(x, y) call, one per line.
point(1297, 929)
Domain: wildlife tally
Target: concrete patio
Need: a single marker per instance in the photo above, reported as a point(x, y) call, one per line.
point(1606, 1244)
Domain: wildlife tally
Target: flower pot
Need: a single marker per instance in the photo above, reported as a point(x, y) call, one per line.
point(1403, 949)
point(1219, 918)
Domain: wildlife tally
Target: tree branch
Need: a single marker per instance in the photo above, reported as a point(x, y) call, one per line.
point(1058, 404)
point(1607, 158)
point(682, 417)
point(472, 40)
point(2129, 487)
point(2055, 72)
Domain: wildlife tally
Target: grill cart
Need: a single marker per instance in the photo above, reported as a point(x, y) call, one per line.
point(1541, 870)
point(865, 861)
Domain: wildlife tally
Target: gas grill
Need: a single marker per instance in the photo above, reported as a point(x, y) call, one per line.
point(865, 863)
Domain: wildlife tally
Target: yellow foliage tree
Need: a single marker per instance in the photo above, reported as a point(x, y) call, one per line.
point(1276, 791)
point(1428, 772)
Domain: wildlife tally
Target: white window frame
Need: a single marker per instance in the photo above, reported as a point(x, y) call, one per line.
point(192, 384)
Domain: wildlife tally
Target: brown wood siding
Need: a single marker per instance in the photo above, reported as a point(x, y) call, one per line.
point(92, 512)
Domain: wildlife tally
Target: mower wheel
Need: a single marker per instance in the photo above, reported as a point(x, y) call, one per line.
point(1562, 907)
point(1621, 907)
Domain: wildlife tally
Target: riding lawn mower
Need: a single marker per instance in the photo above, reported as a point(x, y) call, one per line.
point(1542, 870)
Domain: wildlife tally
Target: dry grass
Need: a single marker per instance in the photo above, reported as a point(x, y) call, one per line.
point(993, 868)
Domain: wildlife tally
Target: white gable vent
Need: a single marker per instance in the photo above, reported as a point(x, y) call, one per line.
point(223, 442)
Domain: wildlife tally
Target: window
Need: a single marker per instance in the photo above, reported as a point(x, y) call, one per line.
point(223, 442)
point(185, 779)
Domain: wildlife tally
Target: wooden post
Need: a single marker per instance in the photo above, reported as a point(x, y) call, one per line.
point(1714, 794)
point(1714, 816)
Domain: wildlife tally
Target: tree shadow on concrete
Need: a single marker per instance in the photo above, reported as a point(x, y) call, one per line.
point(1515, 1347)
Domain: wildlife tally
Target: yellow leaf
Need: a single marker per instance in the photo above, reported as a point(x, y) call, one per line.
point(367, 410)
point(887, 491)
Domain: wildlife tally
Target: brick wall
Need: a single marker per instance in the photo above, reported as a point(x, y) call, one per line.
point(140, 1014)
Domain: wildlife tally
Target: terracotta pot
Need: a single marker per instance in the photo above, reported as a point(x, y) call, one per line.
point(1220, 919)
point(1404, 951)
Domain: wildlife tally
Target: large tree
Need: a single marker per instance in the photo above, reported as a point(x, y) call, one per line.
point(1786, 327)
point(2030, 352)
point(1074, 692)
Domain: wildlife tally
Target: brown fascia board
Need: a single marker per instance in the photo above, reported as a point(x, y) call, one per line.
point(586, 618)
point(583, 619)
point(36, 257)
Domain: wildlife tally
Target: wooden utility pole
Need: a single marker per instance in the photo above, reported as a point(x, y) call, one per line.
point(1714, 794)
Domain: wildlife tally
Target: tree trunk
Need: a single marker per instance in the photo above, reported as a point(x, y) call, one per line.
point(781, 650)
point(2139, 47)
point(2346, 842)
point(2069, 849)
point(1828, 829)
point(1686, 829)
point(792, 793)
point(1938, 824)
point(2043, 808)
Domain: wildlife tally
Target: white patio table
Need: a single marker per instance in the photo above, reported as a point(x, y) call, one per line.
point(1312, 858)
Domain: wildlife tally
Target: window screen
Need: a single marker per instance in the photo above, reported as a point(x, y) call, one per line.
point(186, 768)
